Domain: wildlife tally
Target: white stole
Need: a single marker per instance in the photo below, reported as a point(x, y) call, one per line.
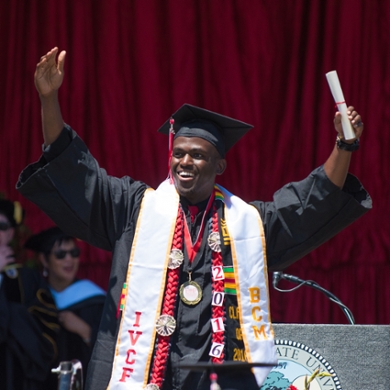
point(146, 278)
point(145, 288)
point(250, 270)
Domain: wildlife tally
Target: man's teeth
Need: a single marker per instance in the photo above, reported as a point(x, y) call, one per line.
point(185, 174)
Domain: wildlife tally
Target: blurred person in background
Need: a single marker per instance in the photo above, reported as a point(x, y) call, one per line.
point(28, 316)
point(79, 302)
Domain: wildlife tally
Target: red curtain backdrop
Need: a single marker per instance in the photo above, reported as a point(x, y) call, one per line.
point(130, 64)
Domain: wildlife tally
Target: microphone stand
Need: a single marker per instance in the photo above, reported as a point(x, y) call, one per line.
point(294, 279)
point(70, 375)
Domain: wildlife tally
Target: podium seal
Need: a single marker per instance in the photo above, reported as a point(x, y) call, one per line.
point(297, 361)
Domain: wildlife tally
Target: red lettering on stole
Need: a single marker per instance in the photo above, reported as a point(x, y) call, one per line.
point(133, 339)
point(137, 318)
point(125, 374)
point(131, 353)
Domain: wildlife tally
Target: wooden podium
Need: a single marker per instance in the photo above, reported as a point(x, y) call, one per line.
point(359, 355)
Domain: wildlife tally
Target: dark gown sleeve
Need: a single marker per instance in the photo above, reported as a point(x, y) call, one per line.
point(79, 196)
point(305, 214)
point(82, 199)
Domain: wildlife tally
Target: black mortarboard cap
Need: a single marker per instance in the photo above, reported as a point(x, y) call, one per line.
point(221, 131)
point(13, 211)
point(45, 240)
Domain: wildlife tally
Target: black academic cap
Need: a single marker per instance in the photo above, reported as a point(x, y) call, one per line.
point(222, 131)
point(13, 211)
point(45, 240)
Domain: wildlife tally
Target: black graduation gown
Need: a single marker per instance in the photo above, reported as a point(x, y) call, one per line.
point(68, 184)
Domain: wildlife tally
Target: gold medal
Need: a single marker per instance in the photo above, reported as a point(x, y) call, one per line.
point(190, 293)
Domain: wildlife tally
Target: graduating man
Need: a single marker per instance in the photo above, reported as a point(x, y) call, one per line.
point(189, 276)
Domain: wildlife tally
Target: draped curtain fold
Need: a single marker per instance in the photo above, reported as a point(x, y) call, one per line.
point(130, 64)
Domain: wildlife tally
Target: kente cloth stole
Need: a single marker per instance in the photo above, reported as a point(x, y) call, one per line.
point(251, 281)
point(146, 277)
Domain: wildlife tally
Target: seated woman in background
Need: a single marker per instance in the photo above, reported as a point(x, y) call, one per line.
point(80, 302)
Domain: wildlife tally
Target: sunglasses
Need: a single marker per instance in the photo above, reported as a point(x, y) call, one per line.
point(4, 226)
point(60, 254)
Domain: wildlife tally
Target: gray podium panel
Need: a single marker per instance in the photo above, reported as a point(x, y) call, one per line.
point(359, 354)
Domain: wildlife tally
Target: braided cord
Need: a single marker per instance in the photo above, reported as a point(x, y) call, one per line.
point(217, 286)
point(163, 342)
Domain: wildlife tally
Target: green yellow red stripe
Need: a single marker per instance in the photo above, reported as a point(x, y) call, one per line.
point(230, 281)
point(218, 194)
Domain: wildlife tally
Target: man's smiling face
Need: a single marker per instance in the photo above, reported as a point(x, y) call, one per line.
point(194, 165)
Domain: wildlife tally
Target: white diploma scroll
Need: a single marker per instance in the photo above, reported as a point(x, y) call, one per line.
point(335, 87)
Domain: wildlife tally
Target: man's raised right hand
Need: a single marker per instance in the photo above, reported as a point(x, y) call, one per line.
point(49, 73)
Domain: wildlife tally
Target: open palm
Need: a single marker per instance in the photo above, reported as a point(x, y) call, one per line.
point(49, 74)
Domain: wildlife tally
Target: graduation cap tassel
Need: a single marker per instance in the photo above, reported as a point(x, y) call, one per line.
point(171, 135)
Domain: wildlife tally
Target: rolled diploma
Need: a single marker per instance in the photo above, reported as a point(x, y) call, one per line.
point(335, 87)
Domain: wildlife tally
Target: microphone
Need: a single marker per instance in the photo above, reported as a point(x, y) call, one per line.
point(294, 279)
point(276, 276)
point(291, 278)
